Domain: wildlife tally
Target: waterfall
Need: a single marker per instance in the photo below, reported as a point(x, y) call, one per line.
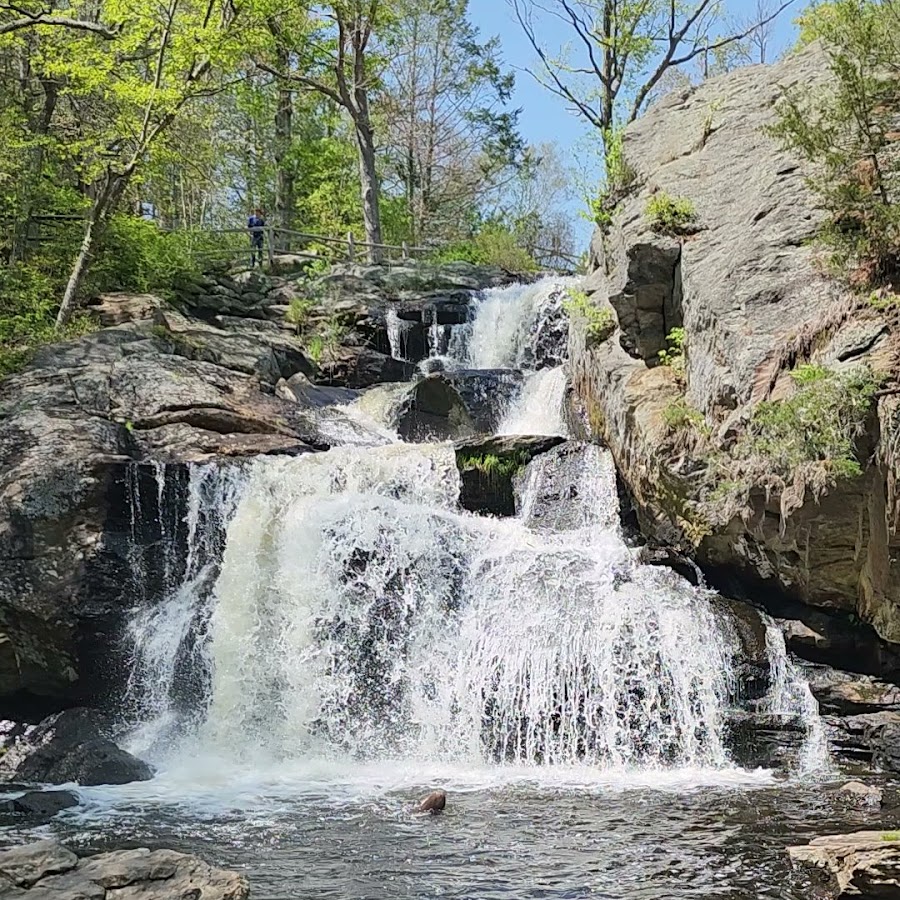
point(166, 636)
point(512, 325)
point(358, 614)
point(538, 409)
point(790, 697)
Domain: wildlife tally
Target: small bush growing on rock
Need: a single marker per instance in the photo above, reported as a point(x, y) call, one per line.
point(493, 466)
point(600, 322)
point(670, 215)
point(820, 423)
point(298, 312)
point(680, 415)
point(673, 355)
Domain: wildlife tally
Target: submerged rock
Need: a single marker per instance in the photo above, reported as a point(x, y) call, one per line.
point(48, 869)
point(71, 746)
point(39, 805)
point(863, 864)
point(862, 794)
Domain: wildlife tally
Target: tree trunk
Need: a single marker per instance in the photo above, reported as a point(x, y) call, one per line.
point(78, 273)
point(284, 177)
point(102, 208)
point(368, 178)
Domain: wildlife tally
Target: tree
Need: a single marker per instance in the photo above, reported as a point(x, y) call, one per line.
point(335, 61)
point(450, 139)
point(163, 59)
point(848, 134)
point(74, 17)
point(624, 48)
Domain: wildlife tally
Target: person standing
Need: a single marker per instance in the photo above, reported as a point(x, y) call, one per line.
point(256, 225)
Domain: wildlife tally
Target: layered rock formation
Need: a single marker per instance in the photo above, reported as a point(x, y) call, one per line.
point(216, 373)
point(750, 290)
point(48, 869)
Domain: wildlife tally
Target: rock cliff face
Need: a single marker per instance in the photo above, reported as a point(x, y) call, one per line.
point(217, 373)
point(750, 290)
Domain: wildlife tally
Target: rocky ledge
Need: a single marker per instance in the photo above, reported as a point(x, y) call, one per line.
point(749, 302)
point(233, 366)
point(864, 864)
point(48, 869)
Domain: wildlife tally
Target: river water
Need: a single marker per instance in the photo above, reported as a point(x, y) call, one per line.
point(337, 639)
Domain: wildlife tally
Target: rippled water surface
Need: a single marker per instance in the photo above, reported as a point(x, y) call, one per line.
point(320, 833)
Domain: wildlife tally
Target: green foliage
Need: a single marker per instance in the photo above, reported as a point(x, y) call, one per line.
point(28, 302)
point(670, 215)
point(679, 415)
point(847, 133)
point(599, 321)
point(884, 300)
point(135, 255)
point(494, 245)
point(619, 175)
point(891, 836)
point(673, 355)
point(493, 466)
point(821, 422)
point(298, 312)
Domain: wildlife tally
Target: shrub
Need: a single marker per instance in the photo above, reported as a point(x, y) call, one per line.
point(493, 466)
point(673, 355)
point(600, 322)
point(847, 133)
point(670, 215)
point(492, 246)
point(679, 415)
point(821, 422)
point(298, 312)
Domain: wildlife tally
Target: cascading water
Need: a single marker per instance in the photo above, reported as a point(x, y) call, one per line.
point(167, 636)
point(358, 615)
point(538, 409)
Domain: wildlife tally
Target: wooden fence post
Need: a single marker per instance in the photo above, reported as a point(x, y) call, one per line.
point(404, 248)
point(351, 246)
point(271, 243)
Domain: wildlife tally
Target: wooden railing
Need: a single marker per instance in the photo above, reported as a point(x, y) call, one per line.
point(281, 242)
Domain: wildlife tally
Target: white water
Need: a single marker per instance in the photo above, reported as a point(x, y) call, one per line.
point(358, 616)
point(538, 409)
point(506, 321)
point(790, 697)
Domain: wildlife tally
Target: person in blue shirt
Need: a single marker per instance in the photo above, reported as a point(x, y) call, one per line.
point(255, 224)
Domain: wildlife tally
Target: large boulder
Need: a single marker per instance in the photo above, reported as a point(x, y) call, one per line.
point(754, 302)
point(48, 869)
point(863, 864)
point(71, 746)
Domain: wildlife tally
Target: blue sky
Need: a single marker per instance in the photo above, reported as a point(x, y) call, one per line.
point(544, 116)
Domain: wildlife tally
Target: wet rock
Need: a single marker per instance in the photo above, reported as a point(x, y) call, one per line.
point(301, 390)
point(882, 736)
point(47, 869)
point(843, 693)
point(488, 468)
point(71, 746)
point(486, 393)
point(649, 555)
point(863, 864)
point(861, 794)
point(361, 367)
point(759, 740)
point(40, 805)
point(435, 802)
point(432, 410)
